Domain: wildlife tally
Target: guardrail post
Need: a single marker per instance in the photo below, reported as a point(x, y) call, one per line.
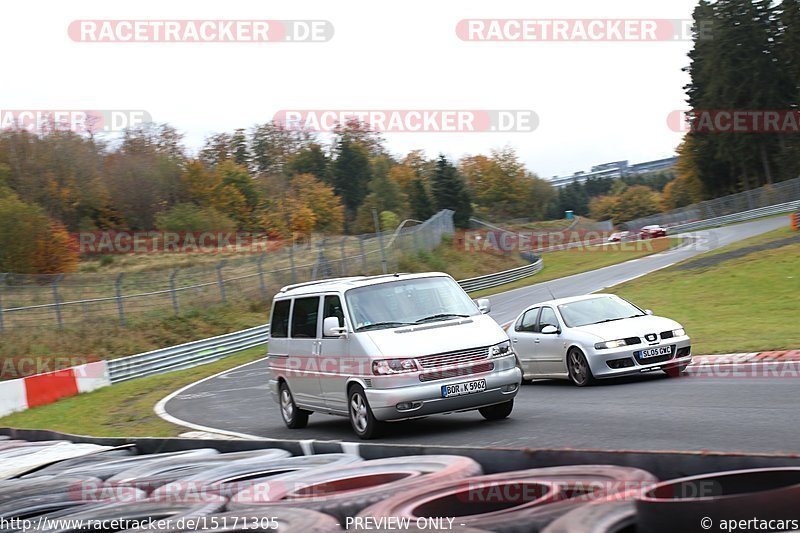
point(380, 240)
point(341, 249)
point(118, 290)
point(57, 300)
point(363, 255)
point(262, 285)
point(2, 283)
point(173, 292)
point(291, 262)
point(221, 282)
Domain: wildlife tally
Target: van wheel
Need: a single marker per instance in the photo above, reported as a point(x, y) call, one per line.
point(293, 416)
point(364, 423)
point(498, 411)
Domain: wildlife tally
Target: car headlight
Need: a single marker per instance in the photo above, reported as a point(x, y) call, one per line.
point(385, 367)
point(610, 344)
point(680, 332)
point(500, 350)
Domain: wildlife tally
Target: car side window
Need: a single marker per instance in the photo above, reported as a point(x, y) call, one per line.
point(279, 323)
point(304, 317)
point(547, 318)
point(527, 321)
point(333, 307)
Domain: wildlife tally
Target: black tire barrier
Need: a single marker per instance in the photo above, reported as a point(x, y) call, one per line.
point(105, 470)
point(152, 474)
point(263, 518)
point(48, 503)
point(511, 502)
point(227, 480)
point(680, 504)
point(84, 460)
point(343, 491)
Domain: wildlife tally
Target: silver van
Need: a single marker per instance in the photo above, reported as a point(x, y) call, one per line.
point(387, 348)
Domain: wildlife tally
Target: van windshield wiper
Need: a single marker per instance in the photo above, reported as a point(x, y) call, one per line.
point(380, 325)
point(441, 316)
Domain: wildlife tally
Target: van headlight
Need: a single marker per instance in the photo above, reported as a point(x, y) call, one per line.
point(607, 345)
point(385, 367)
point(500, 350)
point(680, 332)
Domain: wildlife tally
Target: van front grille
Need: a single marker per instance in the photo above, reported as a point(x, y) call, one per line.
point(457, 371)
point(454, 358)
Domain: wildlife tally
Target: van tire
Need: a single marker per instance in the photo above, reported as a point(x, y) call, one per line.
point(498, 411)
point(363, 422)
point(293, 416)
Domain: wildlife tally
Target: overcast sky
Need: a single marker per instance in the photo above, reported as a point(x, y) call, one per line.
point(597, 102)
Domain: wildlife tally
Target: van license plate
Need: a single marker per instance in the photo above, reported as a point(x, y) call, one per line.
point(466, 387)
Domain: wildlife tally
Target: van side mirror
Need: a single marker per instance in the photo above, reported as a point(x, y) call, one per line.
point(549, 329)
point(331, 327)
point(648, 312)
point(484, 306)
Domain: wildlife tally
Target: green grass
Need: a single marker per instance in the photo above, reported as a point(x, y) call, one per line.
point(125, 409)
point(743, 304)
point(574, 261)
point(460, 264)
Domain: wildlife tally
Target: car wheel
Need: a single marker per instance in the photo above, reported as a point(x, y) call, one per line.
point(675, 371)
point(293, 416)
point(579, 372)
point(498, 411)
point(364, 423)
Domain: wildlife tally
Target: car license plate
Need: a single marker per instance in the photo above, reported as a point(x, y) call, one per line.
point(466, 387)
point(655, 352)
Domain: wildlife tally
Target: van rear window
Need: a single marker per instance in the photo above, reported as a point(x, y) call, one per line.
point(279, 324)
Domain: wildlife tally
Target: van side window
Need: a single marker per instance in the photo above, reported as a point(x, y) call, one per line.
point(279, 323)
point(333, 307)
point(304, 317)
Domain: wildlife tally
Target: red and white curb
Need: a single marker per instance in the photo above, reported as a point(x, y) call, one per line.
point(41, 389)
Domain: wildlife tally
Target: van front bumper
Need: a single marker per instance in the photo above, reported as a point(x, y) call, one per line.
point(426, 398)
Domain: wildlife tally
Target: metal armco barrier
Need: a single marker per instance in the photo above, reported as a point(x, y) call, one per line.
point(501, 278)
point(186, 355)
point(736, 217)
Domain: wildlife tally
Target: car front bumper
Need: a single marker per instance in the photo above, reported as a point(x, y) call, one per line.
point(599, 359)
point(502, 385)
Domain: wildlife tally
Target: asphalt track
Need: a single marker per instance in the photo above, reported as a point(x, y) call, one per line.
point(648, 412)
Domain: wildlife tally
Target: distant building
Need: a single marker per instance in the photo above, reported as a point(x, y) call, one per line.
point(615, 170)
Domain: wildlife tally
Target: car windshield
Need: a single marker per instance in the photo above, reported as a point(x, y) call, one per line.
point(597, 310)
point(404, 302)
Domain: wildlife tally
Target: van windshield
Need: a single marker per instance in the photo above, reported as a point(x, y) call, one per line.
point(413, 301)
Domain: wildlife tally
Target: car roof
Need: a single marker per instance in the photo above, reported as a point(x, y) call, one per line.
point(559, 301)
point(342, 284)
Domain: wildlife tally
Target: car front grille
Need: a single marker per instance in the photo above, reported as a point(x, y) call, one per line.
point(666, 334)
point(630, 341)
point(456, 371)
point(454, 358)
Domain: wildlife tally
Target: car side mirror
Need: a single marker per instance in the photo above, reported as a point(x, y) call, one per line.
point(549, 330)
point(484, 306)
point(331, 327)
point(648, 312)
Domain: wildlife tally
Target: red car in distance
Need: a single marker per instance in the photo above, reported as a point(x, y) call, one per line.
point(652, 232)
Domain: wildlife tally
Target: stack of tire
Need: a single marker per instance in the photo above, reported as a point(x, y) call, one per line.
point(62, 484)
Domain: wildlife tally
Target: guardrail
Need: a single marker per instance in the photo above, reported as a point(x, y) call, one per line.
point(208, 350)
point(736, 217)
point(501, 278)
point(185, 355)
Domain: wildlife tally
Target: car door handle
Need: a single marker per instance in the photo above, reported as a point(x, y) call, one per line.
point(514, 340)
point(536, 341)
